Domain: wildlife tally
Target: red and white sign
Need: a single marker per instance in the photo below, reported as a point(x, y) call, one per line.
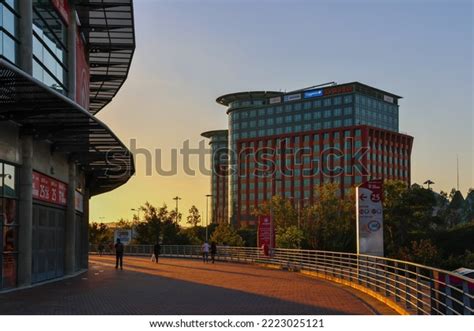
point(266, 233)
point(63, 9)
point(369, 214)
point(82, 74)
point(49, 189)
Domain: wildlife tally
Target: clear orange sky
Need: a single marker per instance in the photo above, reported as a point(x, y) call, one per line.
point(189, 52)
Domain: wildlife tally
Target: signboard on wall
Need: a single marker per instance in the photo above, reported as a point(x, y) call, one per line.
point(388, 98)
point(79, 201)
point(313, 93)
point(266, 233)
point(274, 100)
point(63, 9)
point(124, 235)
point(48, 189)
point(292, 97)
point(338, 90)
point(369, 215)
point(82, 74)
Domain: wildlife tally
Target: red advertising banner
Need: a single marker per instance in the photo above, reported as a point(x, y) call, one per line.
point(82, 74)
point(49, 189)
point(266, 234)
point(63, 9)
point(338, 90)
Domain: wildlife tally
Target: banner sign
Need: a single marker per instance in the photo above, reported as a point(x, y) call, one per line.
point(369, 215)
point(274, 100)
point(48, 189)
point(266, 234)
point(338, 90)
point(313, 93)
point(82, 74)
point(388, 98)
point(292, 97)
point(63, 9)
point(125, 236)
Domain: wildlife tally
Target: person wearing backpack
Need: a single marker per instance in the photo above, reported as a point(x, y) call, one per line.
point(118, 254)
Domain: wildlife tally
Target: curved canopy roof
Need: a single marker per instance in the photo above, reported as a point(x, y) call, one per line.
point(46, 114)
point(213, 133)
point(228, 98)
point(108, 26)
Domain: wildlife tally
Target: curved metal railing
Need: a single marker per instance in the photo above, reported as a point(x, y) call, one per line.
point(415, 288)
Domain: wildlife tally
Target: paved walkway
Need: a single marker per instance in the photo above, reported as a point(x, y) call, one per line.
point(180, 286)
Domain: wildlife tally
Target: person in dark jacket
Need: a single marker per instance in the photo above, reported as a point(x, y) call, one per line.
point(118, 254)
point(213, 251)
point(156, 251)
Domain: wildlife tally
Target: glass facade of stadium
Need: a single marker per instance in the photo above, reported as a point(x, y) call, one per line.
point(289, 143)
point(60, 63)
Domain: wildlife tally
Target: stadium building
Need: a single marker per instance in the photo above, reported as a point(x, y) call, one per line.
point(61, 62)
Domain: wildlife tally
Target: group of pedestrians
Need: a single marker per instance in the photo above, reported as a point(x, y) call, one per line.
point(206, 249)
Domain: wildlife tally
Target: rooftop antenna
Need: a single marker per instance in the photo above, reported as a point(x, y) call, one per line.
point(457, 171)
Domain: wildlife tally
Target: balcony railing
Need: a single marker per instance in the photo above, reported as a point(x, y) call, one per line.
point(407, 287)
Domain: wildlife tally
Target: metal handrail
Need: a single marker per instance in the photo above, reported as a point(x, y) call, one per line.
point(416, 288)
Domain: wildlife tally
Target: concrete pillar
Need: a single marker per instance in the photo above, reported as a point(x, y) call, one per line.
point(70, 235)
point(25, 34)
point(25, 235)
point(71, 55)
point(85, 239)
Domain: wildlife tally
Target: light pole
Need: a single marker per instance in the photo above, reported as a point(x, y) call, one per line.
point(177, 198)
point(274, 188)
point(298, 202)
point(207, 215)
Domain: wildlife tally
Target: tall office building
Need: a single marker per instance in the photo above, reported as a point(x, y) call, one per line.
point(60, 63)
point(290, 143)
point(218, 140)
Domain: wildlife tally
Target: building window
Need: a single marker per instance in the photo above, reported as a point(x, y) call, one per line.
point(9, 225)
point(8, 30)
point(348, 99)
point(49, 46)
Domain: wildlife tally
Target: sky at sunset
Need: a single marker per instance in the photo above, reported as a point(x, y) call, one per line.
point(190, 52)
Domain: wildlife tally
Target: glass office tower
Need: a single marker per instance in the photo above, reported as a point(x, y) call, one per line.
point(289, 143)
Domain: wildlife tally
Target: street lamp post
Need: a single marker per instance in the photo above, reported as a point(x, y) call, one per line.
point(177, 198)
point(207, 215)
point(274, 188)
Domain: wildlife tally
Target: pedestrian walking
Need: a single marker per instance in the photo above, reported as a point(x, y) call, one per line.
point(156, 251)
point(213, 251)
point(118, 254)
point(101, 249)
point(205, 252)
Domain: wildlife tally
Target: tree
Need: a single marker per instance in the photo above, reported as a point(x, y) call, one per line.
point(194, 218)
point(149, 230)
point(420, 251)
point(331, 220)
point(282, 209)
point(291, 237)
point(99, 232)
point(409, 214)
point(225, 234)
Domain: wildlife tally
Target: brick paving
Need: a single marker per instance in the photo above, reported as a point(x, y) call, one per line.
point(181, 286)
